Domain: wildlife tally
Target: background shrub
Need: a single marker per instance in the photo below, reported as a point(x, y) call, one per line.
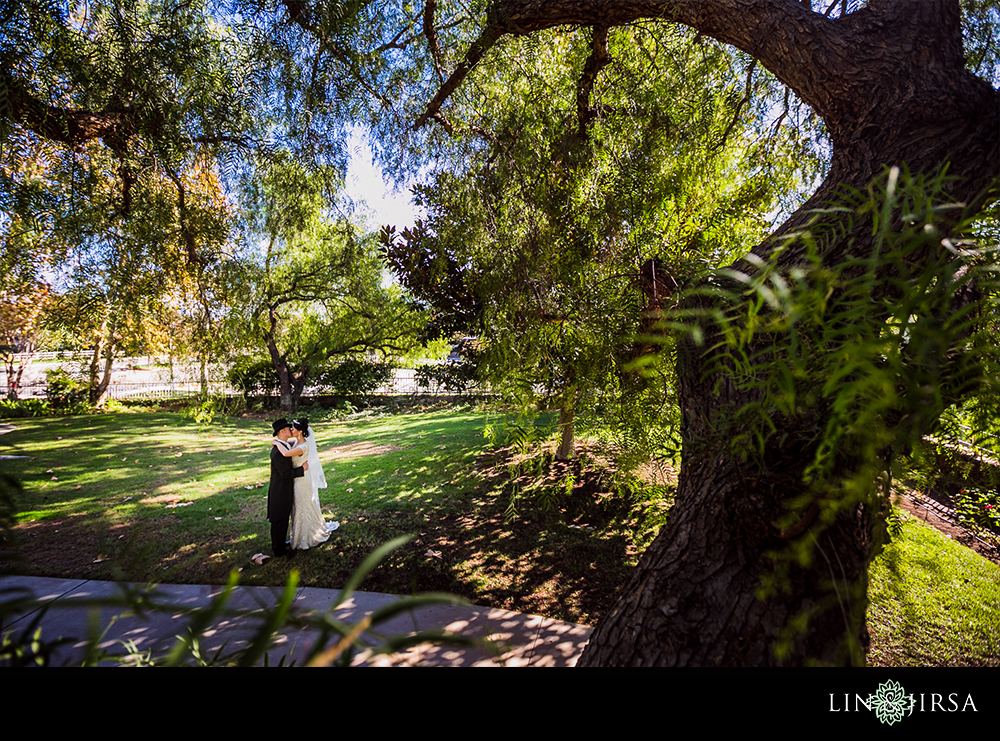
point(455, 377)
point(24, 408)
point(64, 391)
point(353, 377)
point(254, 376)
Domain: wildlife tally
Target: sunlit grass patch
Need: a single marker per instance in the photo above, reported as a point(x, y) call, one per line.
point(933, 602)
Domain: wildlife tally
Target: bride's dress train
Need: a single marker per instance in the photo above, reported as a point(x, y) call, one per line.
point(308, 528)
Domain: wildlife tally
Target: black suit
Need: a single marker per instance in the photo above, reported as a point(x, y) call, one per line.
point(280, 496)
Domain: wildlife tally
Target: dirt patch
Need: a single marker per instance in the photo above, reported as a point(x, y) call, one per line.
point(936, 512)
point(253, 508)
point(566, 554)
point(162, 499)
point(362, 450)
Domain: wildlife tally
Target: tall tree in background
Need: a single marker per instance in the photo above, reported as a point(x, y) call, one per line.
point(315, 293)
point(114, 271)
point(22, 309)
point(124, 97)
point(113, 118)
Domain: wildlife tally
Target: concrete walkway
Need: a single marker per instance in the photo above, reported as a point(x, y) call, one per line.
point(508, 638)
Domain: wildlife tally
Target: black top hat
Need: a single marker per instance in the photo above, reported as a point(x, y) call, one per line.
point(279, 424)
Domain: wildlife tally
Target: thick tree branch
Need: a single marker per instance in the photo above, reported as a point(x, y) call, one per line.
point(816, 56)
point(479, 47)
point(114, 124)
point(431, 34)
point(187, 233)
point(597, 60)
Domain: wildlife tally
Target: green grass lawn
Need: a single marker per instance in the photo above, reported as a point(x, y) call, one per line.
point(156, 497)
point(934, 602)
point(193, 493)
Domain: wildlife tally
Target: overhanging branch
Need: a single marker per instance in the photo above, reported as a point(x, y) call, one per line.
point(114, 124)
point(807, 51)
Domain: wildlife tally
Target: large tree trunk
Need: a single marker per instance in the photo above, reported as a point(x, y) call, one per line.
point(693, 599)
point(280, 364)
point(13, 375)
point(890, 83)
point(99, 391)
point(567, 426)
point(285, 379)
point(24, 363)
point(104, 349)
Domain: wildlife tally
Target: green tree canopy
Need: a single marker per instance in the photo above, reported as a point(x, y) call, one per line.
point(550, 198)
point(312, 285)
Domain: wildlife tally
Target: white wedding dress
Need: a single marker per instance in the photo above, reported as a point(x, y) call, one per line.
point(308, 528)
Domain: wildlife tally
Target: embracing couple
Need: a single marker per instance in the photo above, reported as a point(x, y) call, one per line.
point(293, 492)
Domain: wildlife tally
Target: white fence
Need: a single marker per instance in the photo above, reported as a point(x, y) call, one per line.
point(127, 390)
point(43, 356)
point(403, 383)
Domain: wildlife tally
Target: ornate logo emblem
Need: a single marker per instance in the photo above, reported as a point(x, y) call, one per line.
point(890, 702)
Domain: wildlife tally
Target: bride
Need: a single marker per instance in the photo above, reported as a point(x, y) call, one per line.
point(308, 528)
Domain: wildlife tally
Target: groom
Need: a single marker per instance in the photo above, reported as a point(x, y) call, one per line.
point(281, 490)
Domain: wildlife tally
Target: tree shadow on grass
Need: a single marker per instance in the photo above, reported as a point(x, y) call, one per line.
point(566, 558)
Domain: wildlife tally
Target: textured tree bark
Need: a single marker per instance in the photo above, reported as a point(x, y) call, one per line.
point(904, 98)
point(106, 347)
point(890, 83)
point(567, 427)
point(284, 372)
point(14, 375)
